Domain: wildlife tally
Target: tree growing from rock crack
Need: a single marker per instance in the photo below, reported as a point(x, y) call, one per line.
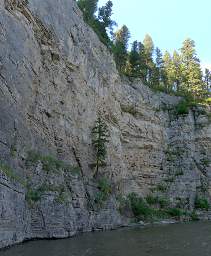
point(100, 136)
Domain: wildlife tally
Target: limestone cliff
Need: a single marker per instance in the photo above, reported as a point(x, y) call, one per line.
point(55, 76)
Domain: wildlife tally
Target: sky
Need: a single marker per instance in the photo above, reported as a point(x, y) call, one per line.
point(168, 22)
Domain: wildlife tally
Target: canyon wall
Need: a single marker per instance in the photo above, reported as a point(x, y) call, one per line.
point(56, 77)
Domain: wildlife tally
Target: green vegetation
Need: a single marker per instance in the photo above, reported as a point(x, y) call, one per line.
point(34, 195)
point(98, 18)
point(156, 200)
point(179, 173)
point(151, 200)
point(178, 73)
point(162, 187)
point(202, 203)
point(194, 216)
point(175, 212)
point(155, 207)
point(100, 136)
point(49, 163)
point(182, 108)
point(206, 162)
point(142, 208)
point(105, 190)
point(10, 173)
point(13, 150)
point(139, 207)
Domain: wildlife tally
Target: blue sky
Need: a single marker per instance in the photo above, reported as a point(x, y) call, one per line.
point(168, 22)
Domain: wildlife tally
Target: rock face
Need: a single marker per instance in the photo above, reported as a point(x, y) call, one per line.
point(55, 77)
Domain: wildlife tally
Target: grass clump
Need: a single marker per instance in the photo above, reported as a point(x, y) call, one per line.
point(142, 208)
point(175, 212)
point(105, 190)
point(151, 200)
point(33, 196)
point(49, 163)
point(9, 172)
point(202, 203)
point(155, 200)
point(139, 207)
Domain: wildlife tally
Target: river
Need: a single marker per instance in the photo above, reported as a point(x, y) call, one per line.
point(190, 239)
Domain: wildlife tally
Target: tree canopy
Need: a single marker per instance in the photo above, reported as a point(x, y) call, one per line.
point(176, 73)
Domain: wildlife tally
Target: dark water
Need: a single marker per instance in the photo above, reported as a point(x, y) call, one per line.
point(171, 240)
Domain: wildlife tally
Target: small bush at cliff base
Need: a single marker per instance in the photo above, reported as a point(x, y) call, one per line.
point(139, 207)
point(194, 216)
point(175, 212)
point(201, 203)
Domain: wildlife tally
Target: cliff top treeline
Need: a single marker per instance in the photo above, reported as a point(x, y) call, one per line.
point(178, 73)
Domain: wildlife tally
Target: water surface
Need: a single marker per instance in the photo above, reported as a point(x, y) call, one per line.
point(191, 239)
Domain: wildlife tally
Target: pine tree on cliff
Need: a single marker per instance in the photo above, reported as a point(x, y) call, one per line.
point(207, 79)
point(121, 39)
point(191, 70)
point(100, 136)
point(158, 68)
point(89, 8)
point(143, 64)
point(148, 51)
point(133, 63)
point(168, 69)
point(105, 23)
point(104, 16)
point(100, 23)
point(176, 71)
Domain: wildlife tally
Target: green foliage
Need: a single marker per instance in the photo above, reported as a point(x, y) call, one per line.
point(33, 196)
point(139, 206)
point(155, 200)
point(163, 202)
point(105, 190)
point(151, 200)
point(175, 212)
point(179, 73)
point(194, 216)
point(143, 209)
point(202, 203)
point(162, 187)
point(49, 163)
point(9, 172)
point(182, 108)
point(100, 23)
point(179, 173)
point(100, 136)
point(132, 68)
point(120, 45)
point(206, 162)
point(13, 150)
point(89, 8)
